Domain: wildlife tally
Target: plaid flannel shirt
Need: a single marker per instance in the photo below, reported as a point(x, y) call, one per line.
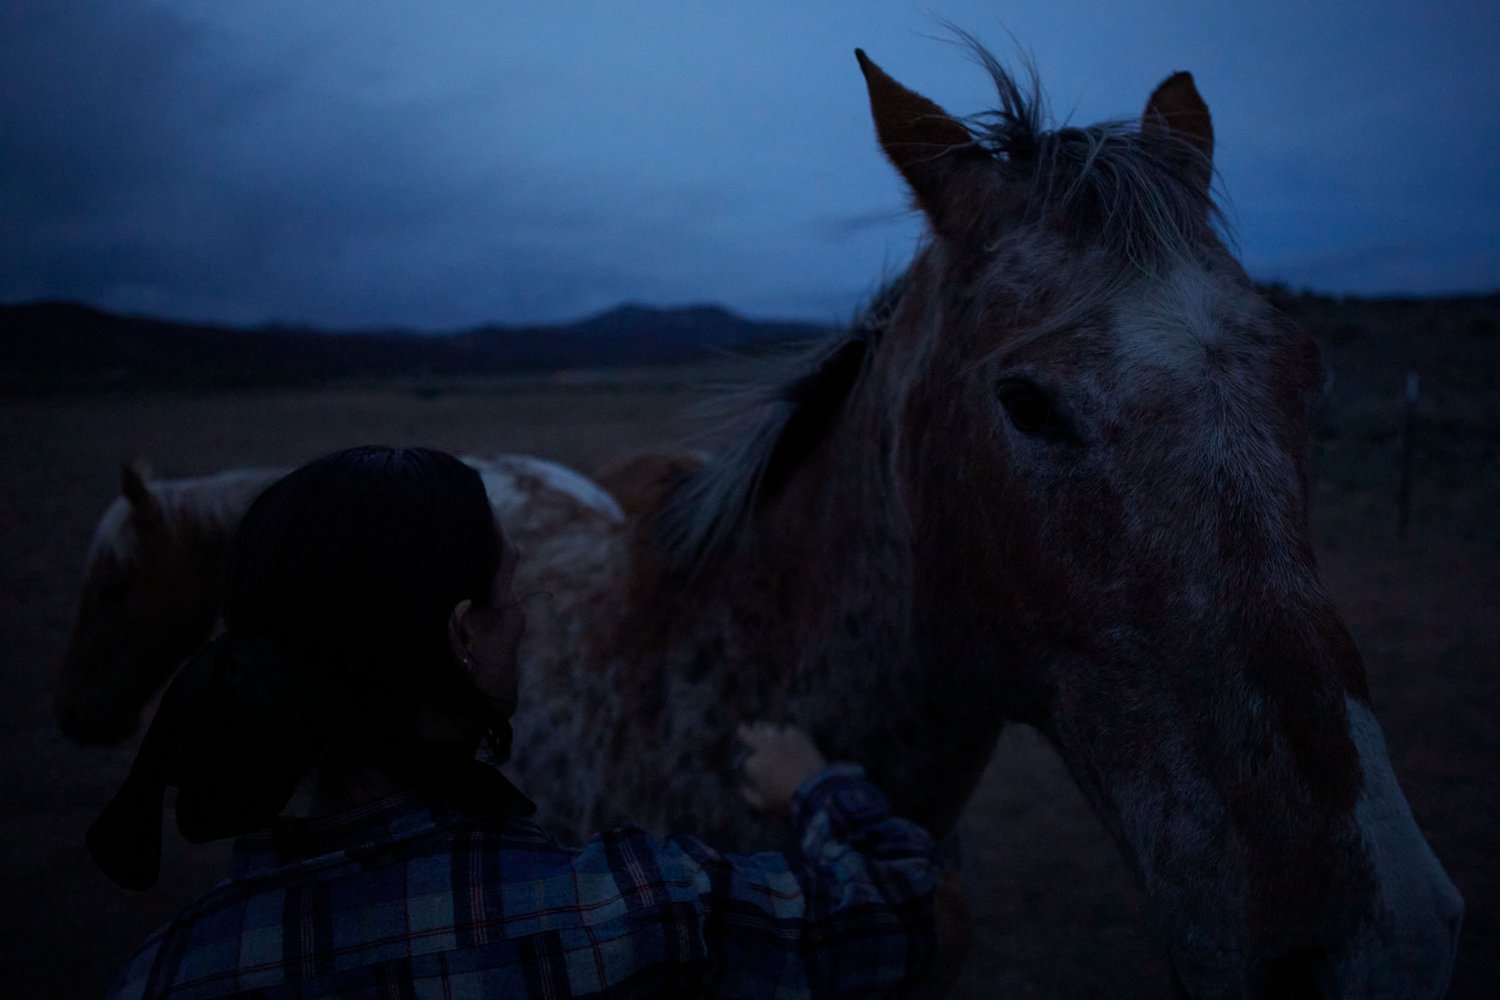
point(404, 899)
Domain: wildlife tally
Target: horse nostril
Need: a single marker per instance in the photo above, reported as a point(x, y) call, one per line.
point(1304, 974)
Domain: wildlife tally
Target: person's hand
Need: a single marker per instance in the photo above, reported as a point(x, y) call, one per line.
point(781, 759)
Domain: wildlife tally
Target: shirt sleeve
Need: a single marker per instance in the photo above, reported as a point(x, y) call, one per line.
point(853, 916)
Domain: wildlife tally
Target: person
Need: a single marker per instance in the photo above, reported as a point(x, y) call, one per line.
point(369, 649)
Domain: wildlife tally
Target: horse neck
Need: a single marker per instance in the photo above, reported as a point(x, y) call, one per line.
point(812, 619)
point(203, 513)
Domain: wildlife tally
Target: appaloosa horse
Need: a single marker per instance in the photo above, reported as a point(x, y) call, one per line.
point(150, 593)
point(1056, 474)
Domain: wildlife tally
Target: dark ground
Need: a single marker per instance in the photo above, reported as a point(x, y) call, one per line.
point(1057, 913)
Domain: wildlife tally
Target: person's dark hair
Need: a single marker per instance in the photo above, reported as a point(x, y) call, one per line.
point(352, 565)
point(340, 583)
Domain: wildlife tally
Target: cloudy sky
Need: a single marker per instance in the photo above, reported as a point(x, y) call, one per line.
point(445, 163)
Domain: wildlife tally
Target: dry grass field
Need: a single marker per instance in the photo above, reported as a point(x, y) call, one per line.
point(1057, 913)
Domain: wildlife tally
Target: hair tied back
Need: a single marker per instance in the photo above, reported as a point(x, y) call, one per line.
point(232, 735)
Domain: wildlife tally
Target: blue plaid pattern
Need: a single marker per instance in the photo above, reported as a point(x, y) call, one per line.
point(404, 899)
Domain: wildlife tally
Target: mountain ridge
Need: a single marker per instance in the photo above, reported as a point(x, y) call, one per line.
point(62, 342)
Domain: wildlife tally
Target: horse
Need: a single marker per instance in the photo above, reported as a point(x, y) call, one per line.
point(150, 592)
point(1054, 474)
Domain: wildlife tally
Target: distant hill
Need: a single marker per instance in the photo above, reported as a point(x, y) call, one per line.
point(1370, 342)
point(68, 344)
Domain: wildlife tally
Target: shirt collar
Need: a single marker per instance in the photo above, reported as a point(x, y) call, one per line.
point(292, 840)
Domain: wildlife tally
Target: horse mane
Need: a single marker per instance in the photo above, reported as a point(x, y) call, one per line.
point(203, 506)
point(777, 422)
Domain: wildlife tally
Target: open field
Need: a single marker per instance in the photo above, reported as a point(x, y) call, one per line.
point(1057, 913)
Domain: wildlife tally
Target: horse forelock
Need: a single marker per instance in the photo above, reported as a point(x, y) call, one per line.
point(1139, 194)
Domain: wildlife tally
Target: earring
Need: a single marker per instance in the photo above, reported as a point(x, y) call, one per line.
point(468, 662)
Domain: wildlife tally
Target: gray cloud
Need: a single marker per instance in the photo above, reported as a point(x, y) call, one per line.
point(842, 227)
point(373, 163)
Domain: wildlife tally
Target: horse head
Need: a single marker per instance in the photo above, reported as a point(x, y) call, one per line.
point(150, 596)
point(1098, 431)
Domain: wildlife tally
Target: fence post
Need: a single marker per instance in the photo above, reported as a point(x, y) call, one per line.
point(1408, 446)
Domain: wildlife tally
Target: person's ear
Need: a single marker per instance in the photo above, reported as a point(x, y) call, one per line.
point(460, 631)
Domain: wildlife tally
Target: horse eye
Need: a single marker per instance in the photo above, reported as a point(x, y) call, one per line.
point(1030, 410)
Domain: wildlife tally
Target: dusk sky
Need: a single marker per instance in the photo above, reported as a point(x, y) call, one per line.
point(437, 165)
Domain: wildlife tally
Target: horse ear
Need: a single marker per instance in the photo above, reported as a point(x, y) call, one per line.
point(1175, 108)
point(926, 144)
point(133, 487)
